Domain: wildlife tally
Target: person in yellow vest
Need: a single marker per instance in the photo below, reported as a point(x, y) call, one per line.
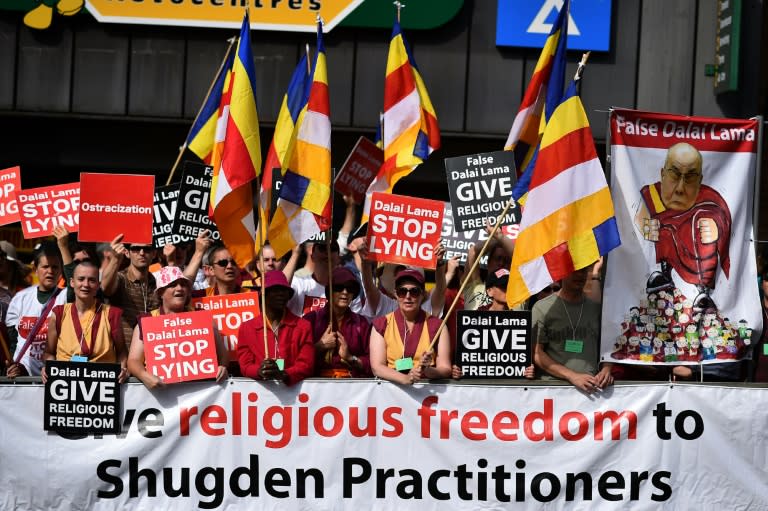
point(86, 330)
point(400, 341)
point(175, 293)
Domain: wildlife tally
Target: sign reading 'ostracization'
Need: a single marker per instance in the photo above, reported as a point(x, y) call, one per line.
point(229, 312)
point(166, 198)
point(358, 171)
point(404, 230)
point(180, 347)
point(194, 197)
point(42, 209)
point(480, 186)
point(113, 204)
point(493, 344)
point(82, 397)
point(10, 183)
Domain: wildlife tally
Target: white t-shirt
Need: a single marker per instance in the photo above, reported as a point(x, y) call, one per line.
point(22, 315)
point(309, 295)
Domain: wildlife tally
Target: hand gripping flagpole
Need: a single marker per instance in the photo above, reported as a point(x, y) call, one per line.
point(232, 41)
point(480, 254)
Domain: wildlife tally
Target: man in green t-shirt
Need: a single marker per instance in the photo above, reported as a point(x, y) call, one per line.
point(567, 333)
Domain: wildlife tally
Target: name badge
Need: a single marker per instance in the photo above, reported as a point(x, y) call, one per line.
point(574, 346)
point(765, 349)
point(280, 363)
point(404, 364)
point(78, 358)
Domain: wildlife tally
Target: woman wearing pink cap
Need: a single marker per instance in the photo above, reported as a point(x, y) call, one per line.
point(400, 341)
point(175, 293)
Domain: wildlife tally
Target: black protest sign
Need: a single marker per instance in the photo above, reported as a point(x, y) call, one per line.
point(493, 344)
point(166, 198)
point(194, 197)
point(480, 186)
point(82, 397)
point(277, 183)
point(459, 243)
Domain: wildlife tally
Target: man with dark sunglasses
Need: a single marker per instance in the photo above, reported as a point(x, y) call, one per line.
point(132, 289)
point(226, 275)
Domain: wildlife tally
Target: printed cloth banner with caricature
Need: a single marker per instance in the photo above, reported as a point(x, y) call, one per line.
point(682, 287)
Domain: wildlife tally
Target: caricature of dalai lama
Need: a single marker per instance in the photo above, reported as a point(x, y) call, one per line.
point(689, 223)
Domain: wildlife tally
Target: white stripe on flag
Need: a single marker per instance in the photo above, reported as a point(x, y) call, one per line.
point(316, 129)
point(401, 116)
point(222, 187)
point(535, 274)
point(567, 187)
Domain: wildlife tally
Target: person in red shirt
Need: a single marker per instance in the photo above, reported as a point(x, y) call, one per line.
point(289, 353)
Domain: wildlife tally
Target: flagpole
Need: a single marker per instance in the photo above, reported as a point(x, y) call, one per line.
point(231, 41)
point(399, 6)
point(471, 270)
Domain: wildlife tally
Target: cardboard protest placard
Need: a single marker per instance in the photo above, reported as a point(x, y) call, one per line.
point(277, 183)
point(459, 243)
point(166, 198)
point(10, 183)
point(180, 347)
point(82, 397)
point(493, 344)
point(229, 312)
point(194, 197)
point(404, 230)
point(42, 209)
point(480, 186)
point(359, 169)
point(113, 204)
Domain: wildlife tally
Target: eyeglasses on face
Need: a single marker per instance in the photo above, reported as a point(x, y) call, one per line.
point(223, 263)
point(413, 291)
point(349, 288)
point(688, 178)
point(136, 249)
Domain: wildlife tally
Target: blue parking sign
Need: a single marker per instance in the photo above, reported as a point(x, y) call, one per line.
point(527, 23)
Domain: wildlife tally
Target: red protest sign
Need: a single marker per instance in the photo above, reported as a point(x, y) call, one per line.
point(358, 171)
point(42, 209)
point(229, 312)
point(114, 204)
point(180, 347)
point(10, 183)
point(404, 230)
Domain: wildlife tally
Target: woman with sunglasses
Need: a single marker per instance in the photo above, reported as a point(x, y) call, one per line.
point(341, 349)
point(400, 341)
point(175, 293)
point(86, 330)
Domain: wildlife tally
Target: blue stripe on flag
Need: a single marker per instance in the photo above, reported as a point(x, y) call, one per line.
point(294, 187)
point(607, 236)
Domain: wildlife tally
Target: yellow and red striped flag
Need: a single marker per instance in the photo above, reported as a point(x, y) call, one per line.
point(236, 155)
point(568, 221)
point(410, 129)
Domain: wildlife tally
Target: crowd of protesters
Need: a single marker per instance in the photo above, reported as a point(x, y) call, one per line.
point(328, 311)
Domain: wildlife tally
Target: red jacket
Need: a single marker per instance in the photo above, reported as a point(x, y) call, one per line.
point(294, 346)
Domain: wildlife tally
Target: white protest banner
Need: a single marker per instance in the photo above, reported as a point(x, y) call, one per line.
point(683, 192)
point(229, 312)
point(194, 198)
point(404, 230)
point(493, 344)
point(82, 397)
point(480, 185)
point(180, 347)
point(364, 444)
point(10, 183)
point(42, 209)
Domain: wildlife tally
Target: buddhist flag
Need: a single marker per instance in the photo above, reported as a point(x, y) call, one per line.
point(542, 96)
point(202, 136)
point(283, 144)
point(236, 156)
point(410, 130)
point(568, 222)
point(304, 206)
